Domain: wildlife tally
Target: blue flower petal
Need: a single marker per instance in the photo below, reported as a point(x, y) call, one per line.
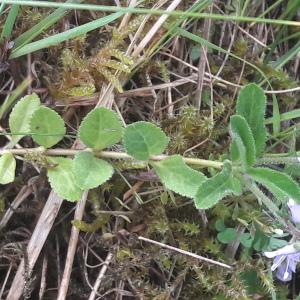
point(295, 211)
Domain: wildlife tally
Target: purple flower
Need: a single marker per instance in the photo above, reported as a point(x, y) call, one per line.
point(285, 261)
point(295, 211)
point(287, 257)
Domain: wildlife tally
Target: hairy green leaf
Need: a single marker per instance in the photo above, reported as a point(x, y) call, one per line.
point(7, 168)
point(47, 127)
point(101, 128)
point(19, 119)
point(280, 185)
point(243, 146)
point(143, 139)
point(62, 179)
point(211, 191)
point(90, 171)
point(177, 176)
point(251, 105)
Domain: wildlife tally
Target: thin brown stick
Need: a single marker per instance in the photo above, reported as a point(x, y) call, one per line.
point(63, 289)
point(100, 276)
point(202, 64)
point(22, 196)
point(36, 243)
point(156, 26)
point(208, 260)
point(5, 280)
point(43, 277)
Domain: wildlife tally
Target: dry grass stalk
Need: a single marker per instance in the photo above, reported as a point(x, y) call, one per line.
point(36, 243)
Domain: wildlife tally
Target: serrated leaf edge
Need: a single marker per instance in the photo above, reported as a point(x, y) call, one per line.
point(153, 126)
point(176, 191)
point(283, 174)
point(235, 136)
point(85, 120)
point(57, 115)
point(57, 192)
point(14, 167)
point(259, 148)
point(16, 107)
point(111, 175)
point(229, 191)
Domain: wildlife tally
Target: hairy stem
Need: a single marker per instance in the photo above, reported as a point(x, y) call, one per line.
point(108, 154)
point(276, 160)
point(258, 193)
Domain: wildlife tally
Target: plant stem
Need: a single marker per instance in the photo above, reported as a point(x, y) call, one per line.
point(252, 187)
point(277, 160)
point(150, 11)
point(108, 154)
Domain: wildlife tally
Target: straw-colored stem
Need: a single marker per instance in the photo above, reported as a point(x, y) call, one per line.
point(109, 155)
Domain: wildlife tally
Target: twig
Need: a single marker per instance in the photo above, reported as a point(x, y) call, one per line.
point(63, 289)
point(211, 261)
point(22, 196)
point(202, 64)
point(100, 276)
point(5, 280)
point(156, 26)
point(43, 277)
point(36, 243)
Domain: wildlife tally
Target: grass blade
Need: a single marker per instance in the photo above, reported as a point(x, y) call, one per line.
point(9, 101)
point(147, 11)
point(210, 45)
point(61, 37)
point(285, 116)
point(37, 29)
point(9, 22)
point(289, 55)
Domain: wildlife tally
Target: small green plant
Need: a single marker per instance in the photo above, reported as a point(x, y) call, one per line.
point(144, 141)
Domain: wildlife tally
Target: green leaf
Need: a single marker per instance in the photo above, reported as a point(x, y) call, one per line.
point(211, 191)
point(227, 236)
point(7, 168)
point(260, 241)
point(62, 178)
point(243, 146)
point(251, 105)
point(219, 225)
point(47, 127)
point(13, 96)
point(293, 170)
point(9, 22)
point(177, 176)
point(143, 139)
point(19, 119)
point(279, 184)
point(246, 240)
point(276, 116)
point(90, 171)
point(275, 244)
point(293, 114)
point(101, 128)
